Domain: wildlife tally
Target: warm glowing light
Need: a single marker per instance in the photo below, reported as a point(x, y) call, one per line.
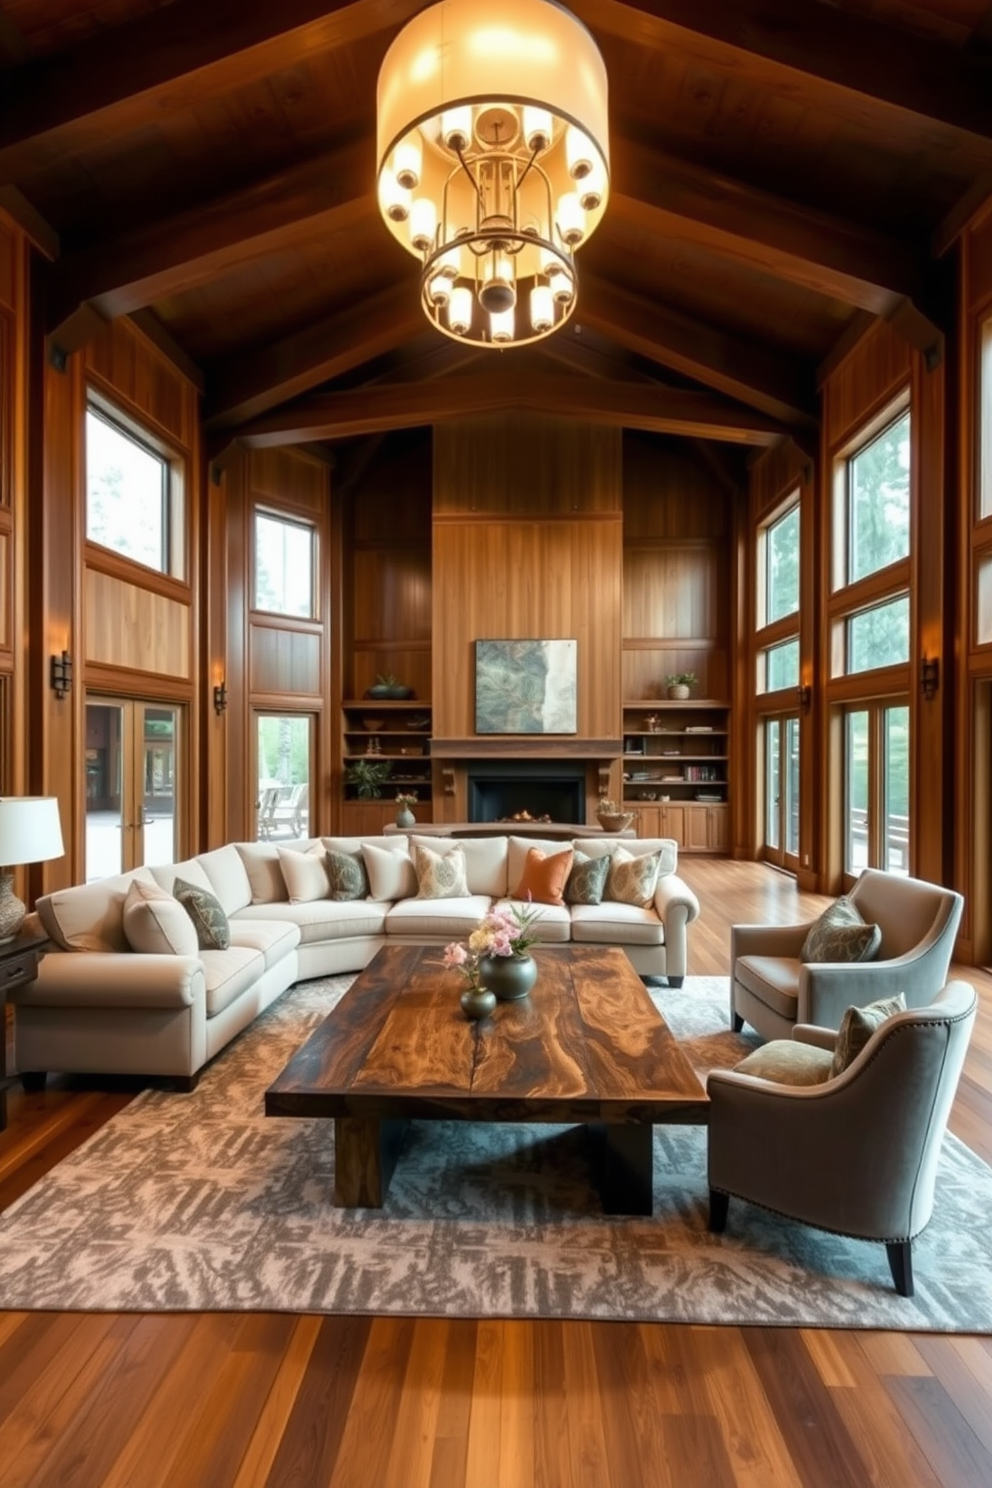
point(538, 128)
point(456, 128)
point(407, 162)
point(460, 311)
point(542, 308)
point(423, 224)
point(501, 327)
point(394, 199)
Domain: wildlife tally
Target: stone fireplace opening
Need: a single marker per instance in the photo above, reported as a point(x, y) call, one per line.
point(498, 790)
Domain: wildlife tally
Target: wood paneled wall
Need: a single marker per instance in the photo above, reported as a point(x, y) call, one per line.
point(13, 499)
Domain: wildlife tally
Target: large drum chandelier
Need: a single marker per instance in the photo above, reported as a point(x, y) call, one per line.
point(493, 162)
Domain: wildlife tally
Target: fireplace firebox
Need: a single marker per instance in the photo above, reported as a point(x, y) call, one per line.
point(498, 790)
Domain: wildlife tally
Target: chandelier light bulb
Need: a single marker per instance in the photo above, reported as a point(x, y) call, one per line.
point(439, 289)
point(542, 308)
point(498, 292)
point(501, 327)
point(394, 199)
point(591, 190)
point(450, 263)
point(562, 287)
point(571, 219)
point(460, 311)
point(456, 128)
point(579, 152)
point(407, 163)
point(538, 128)
point(423, 224)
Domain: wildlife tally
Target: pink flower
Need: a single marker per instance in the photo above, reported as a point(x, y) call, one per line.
point(455, 954)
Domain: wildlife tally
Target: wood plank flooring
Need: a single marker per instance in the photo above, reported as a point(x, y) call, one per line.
point(286, 1401)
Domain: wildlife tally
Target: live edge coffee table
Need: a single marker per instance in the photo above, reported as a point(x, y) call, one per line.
point(587, 1046)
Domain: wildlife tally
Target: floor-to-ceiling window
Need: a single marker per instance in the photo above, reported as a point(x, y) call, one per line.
point(777, 681)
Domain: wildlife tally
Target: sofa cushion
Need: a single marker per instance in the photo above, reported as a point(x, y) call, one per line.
point(275, 939)
point(633, 880)
point(544, 876)
point(390, 870)
point(227, 877)
point(347, 876)
point(597, 847)
point(157, 924)
point(90, 917)
point(840, 934)
point(191, 871)
point(450, 919)
point(261, 860)
point(587, 880)
point(857, 1026)
point(552, 922)
point(306, 873)
point(517, 850)
point(397, 841)
point(787, 1063)
point(772, 979)
point(440, 875)
point(227, 973)
point(323, 919)
point(614, 923)
point(213, 930)
point(485, 860)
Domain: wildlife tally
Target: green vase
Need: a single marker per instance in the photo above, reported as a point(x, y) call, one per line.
point(510, 977)
point(477, 1002)
point(405, 817)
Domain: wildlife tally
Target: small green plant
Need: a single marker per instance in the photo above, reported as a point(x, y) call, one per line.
point(368, 776)
point(387, 679)
point(682, 679)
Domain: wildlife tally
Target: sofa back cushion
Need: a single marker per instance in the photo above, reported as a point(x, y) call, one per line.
point(228, 877)
point(391, 872)
point(261, 860)
point(156, 924)
point(306, 873)
point(485, 860)
point(89, 917)
point(190, 871)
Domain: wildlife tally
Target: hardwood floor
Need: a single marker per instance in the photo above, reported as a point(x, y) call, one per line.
point(262, 1401)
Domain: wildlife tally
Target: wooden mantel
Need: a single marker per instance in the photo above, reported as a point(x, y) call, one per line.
point(531, 746)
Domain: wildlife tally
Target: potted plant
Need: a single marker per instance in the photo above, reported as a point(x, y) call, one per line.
point(368, 776)
point(386, 685)
point(678, 684)
point(612, 816)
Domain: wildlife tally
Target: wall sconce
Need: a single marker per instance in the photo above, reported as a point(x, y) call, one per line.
point(60, 675)
point(220, 698)
point(929, 676)
point(804, 696)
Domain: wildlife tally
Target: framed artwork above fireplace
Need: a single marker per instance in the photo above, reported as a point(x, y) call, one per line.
point(525, 687)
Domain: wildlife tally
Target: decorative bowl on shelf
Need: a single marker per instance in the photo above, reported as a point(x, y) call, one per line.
point(372, 724)
point(615, 823)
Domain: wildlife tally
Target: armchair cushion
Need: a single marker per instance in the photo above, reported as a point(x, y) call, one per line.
point(840, 934)
point(787, 1063)
point(857, 1026)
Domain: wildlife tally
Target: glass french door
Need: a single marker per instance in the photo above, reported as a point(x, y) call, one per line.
point(876, 785)
point(284, 765)
point(133, 778)
point(782, 792)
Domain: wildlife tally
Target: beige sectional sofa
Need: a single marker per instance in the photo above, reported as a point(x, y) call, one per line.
point(101, 1006)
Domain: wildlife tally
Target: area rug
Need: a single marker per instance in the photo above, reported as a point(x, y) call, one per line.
point(200, 1202)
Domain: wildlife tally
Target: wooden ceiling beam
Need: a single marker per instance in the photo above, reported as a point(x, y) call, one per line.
point(663, 195)
point(174, 57)
point(407, 405)
point(933, 80)
point(330, 194)
point(249, 384)
point(770, 382)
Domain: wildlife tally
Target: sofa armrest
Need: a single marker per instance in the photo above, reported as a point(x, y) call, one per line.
point(676, 906)
point(767, 940)
point(107, 979)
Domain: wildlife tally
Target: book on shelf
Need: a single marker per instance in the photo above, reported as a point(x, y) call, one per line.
point(699, 728)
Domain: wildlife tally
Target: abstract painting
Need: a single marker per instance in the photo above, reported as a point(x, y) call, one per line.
point(525, 687)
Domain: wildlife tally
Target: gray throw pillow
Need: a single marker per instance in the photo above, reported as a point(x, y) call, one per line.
point(213, 932)
point(346, 872)
point(857, 1026)
point(587, 880)
point(840, 934)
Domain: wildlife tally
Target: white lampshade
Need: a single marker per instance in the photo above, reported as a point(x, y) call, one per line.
point(30, 830)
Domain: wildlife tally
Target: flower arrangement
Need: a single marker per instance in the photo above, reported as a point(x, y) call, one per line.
point(506, 931)
point(406, 798)
point(607, 807)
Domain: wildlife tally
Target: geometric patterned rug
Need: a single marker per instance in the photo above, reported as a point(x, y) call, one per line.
point(201, 1203)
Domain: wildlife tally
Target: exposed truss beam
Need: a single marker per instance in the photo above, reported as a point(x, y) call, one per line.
point(666, 196)
point(248, 385)
point(175, 254)
point(934, 80)
point(773, 383)
point(406, 405)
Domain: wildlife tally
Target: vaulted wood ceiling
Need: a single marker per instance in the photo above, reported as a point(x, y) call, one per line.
point(782, 170)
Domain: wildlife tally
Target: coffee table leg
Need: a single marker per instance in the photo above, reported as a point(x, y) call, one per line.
point(626, 1182)
point(365, 1155)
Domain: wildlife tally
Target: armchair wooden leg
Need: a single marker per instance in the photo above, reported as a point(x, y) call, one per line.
point(900, 1253)
point(719, 1204)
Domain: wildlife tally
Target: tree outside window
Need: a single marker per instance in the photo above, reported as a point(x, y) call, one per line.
point(284, 564)
point(127, 508)
point(878, 502)
point(782, 567)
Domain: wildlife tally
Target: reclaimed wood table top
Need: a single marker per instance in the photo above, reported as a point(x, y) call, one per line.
point(587, 1045)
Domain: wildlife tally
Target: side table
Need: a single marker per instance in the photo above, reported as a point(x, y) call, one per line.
point(19, 960)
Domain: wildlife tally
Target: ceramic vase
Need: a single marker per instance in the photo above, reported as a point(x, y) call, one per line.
point(478, 1002)
point(405, 817)
point(509, 977)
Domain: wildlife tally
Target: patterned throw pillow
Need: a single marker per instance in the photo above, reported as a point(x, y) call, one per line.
point(545, 876)
point(440, 875)
point(788, 1063)
point(587, 879)
point(857, 1026)
point(213, 931)
point(633, 880)
point(840, 934)
point(347, 875)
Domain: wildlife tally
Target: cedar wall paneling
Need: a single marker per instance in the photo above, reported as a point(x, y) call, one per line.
point(527, 544)
point(13, 313)
point(133, 627)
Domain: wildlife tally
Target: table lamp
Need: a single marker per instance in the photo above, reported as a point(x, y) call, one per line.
point(30, 832)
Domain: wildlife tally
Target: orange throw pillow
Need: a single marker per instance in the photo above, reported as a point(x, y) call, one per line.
point(544, 878)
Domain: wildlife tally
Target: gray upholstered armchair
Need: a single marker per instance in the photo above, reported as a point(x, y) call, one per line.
point(772, 990)
point(857, 1153)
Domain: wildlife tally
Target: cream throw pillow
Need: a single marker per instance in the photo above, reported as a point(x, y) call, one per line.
point(157, 924)
point(633, 880)
point(391, 874)
point(440, 875)
point(305, 873)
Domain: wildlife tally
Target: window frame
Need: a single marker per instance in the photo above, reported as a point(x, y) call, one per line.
point(287, 519)
point(769, 635)
point(173, 510)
